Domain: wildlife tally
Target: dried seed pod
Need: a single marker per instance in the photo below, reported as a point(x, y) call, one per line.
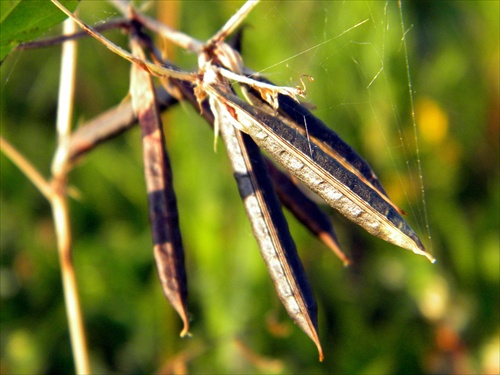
point(322, 173)
point(305, 210)
point(297, 116)
point(163, 214)
point(301, 206)
point(270, 227)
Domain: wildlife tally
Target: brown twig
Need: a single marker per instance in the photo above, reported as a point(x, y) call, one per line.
point(50, 42)
point(109, 125)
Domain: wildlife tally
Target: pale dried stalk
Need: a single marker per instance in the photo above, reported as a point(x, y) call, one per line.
point(58, 200)
point(56, 195)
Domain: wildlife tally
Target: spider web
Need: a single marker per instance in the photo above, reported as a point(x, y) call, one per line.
point(358, 55)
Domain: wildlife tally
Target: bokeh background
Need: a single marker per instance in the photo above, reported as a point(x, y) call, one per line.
point(392, 312)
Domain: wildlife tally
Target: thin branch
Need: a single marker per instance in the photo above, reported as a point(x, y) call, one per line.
point(233, 22)
point(176, 37)
point(26, 167)
point(148, 66)
point(50, 42)
point(108, 125)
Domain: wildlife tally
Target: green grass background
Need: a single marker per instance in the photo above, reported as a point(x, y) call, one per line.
point(392, 313)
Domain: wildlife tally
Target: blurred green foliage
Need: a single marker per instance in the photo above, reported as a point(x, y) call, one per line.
point(391, 313)
point(25, 20)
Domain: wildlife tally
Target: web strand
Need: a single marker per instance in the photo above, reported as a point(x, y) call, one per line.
point(415, 130)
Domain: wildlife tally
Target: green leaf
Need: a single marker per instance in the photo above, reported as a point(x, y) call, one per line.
point(26, 20)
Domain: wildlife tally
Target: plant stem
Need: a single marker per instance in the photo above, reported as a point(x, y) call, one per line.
point(60, 204)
